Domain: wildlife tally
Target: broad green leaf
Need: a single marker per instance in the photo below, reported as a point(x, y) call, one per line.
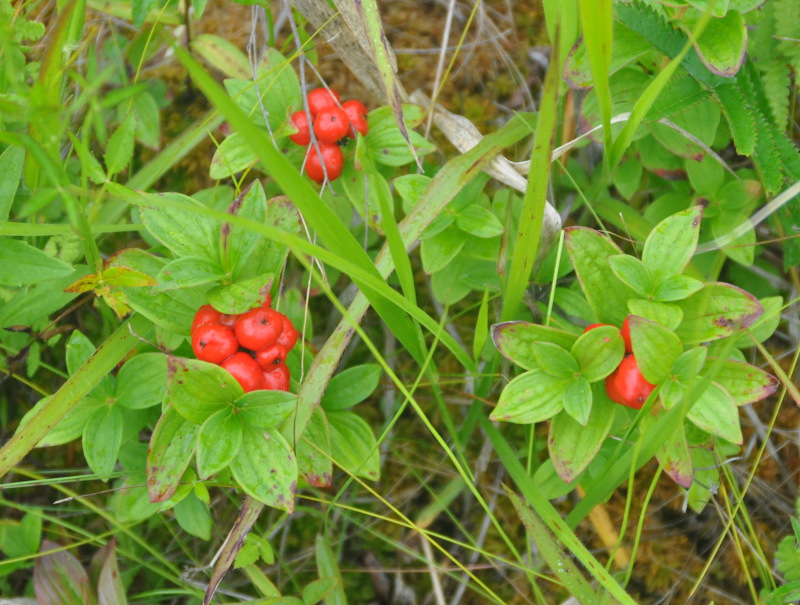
point(353, 445)
point(351, 386)
point(172, 446)
point(269, 256)
point(22, 264)
point(632, 272)
point(314, 451)
point(723, 43)
point(11, 163)
point(69, 428)
point(390, 148)
point(187, 272)
point(142, 381)
point(573, 446)
point(232, 156)
point(667, 314)
point(241, 296)
point(676, 287)
point(701, 120)
point(514, 340)
point(439, 250)
point(265, 409)
point(706, 478)
point(531, 397)
point(218, 442)
point(655, 348)
point(328, 567)
point(109, 580)
point(194, 517)
point(237, 244)
point(745, 383)
point(197, 389)
point(743, 248)
point(265, 468)
point(122, 277)
point(707, 177)
point(368, 192)
point(102, 437)
point(184, 233)
point(599, 352)
point(23, 538)
point(554, 360)
point(119, 152)
point(316, 591)
point(577, 399)
point(765, 325)
point(410, 188)
point(479, 222)
point(716, 311)
point(674, 456)
point(60, 579)
point(148, 122)
point(605, 293)
point(689, 364)
point(79, 350)
point(671, 244)
point(222, 55)
point(716, 413)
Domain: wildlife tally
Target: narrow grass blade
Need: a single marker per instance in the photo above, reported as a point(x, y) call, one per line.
point(598, 33)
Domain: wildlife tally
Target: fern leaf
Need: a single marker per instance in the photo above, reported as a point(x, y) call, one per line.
point(777, 80)
point(740, 119)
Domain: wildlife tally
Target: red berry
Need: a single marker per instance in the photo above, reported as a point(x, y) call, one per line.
point(288, 337)
point(303, 134)
point(245, 370)
point(214, 342)
point(332, 157)
point(321, 99)
point(331, 125)
point(270, 356)
point(592, 327)
point(258, 328)
point(625, 331)
point(277, 378)
point(357, 114)
point(627, 386)
point(204, 315)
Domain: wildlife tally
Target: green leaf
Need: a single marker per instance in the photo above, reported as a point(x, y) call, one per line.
point(22, 264)
point(605, 293)
point(676, 287)
point(269, 256)
point(102, 437)
point(60, 579)
point(232, 156)
point(222, 55)
point(241, 296)
point(184, 233)
point(218, 442)
point(172, 447)
point(554, 360)
point(674, 457)
point(139, 10)
point(314, 451)
point(745, 383)
point(187, 272)
point(11, 163)
point(667, 314)
point(716, 413)
point(353, 445)
point(142, 381)
point(655, 348)
point(351, 387)
point(573, 446)
point(194, 517)
point(369, 193)
point(23, 538)
point(148, 121)
point(119, 151)
point(723, 43)
point(197, 389)
point(632, 272)
point(439, 250)
point(266, 409)
point(317, 590)
point(671, 244)
point(689, 364)
point(69, 428)
point(238, 244)
point(577, 399)
point(716, 311)
point(514, 340)
point(743, 248)
point(599, 352)
point(79, 350)
point(531, 397)
point(265, 468)
point(327, 567)
point(765, 325)
point(707, 177)
point(479, 222)
point(386, 143)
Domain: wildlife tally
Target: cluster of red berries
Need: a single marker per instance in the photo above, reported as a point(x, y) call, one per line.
point(626, 385)
point(333, 122)
point(252, 346)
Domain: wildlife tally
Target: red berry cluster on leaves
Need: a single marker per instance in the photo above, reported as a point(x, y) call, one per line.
point(626, 385)
point(252, 346)
point(333, 122)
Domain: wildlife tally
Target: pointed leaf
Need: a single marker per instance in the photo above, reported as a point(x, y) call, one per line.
point(197, 389)
point(194, 517)
point(689, 364)
point(102, 437)
point(353, 445)
point(328, 567)
point(655, 348)
point(237, 243)
point(671, 244)
point(479, 221)
point(439, 250)
point(60, 579)
point(554, 360)
point(120, 146)
point(11, 162)
point(745, 383)
point(22, 264)
point(184, 233)
point(265, 468)
point(676, 287)
point(716, 311)
point(110, 590)
point(241, 296)
point(351, 387)
point(674, 457)
point(171, 448)
point(514, 340)
point(222, 55)
point(218, 442)
point(723, 43)
point(142, 381)
point(631, 271)
point(578, 399)
point(317, 590)
point(531, 397)
point(716, 413)
point(266, 409)
point(314, 451)
point(666, 314)
point(186, 272)
point(232, 156)
point(79, 350)
point(599, 352)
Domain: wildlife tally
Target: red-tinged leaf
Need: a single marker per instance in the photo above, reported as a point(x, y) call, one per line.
point(60, 579)
point(514, 340)
point(716, 311)
point(109, 583)
point(744, 382)
point(171, 448)
point(314, 451)
point(674, 456)
point(84, 284)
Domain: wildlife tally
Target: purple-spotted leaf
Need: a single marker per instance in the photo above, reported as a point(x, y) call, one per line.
point(514, 340)
point(110, 590)
point(314, 451)
point(715, 412)
point(578, 399)
point(172, 446)
point(671, 244)
point(599, 352)
point(744, 382)
point(572, 446)
point(606, 294)
point(266, 469)
point(655, 348)
point(266, 409)
point(673, 455)
point(197, 389)
point(241, 296)
point(218, 442)
point(555, 360)
point(531, 397)
point(716, 311)
point(353, 445)
point(60, 579)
